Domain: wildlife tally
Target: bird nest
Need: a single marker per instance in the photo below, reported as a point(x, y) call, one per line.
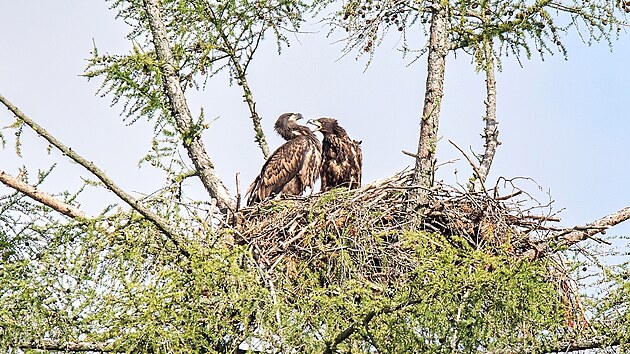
point(370, 234)
point(360, 233)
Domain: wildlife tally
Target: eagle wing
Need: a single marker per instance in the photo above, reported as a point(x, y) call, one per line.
point(342, 162)
point(278, 174)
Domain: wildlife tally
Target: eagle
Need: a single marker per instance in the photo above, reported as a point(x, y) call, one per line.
point(293, 167)
point(343, 158)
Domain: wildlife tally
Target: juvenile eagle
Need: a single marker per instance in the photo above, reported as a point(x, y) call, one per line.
point(342, 156)
point(294, 166)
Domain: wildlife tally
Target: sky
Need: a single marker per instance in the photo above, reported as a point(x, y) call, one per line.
point(563, 123)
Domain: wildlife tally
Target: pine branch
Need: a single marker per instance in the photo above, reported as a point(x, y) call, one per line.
point(241, 76)
point(42, 197)
point(352, 328)
point(53, 345)
point(170, 232)
point(181, 113)
point(596, 342)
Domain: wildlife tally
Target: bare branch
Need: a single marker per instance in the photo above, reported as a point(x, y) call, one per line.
point(568, 237)
point(436, 63)
point(160, 223)
point(42, 197)
point(348, 331)
point(181, 113)
point(470, 161)
point(491, 133)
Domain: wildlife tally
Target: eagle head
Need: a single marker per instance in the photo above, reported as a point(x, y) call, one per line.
point(287, 126)
point(325, 125)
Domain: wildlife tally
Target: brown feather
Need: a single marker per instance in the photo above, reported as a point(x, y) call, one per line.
point(293, 167)
point(342, 156)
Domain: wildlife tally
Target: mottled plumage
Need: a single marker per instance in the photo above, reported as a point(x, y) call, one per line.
point(342, 156)
point(293, 167)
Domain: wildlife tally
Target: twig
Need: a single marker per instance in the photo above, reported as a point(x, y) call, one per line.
point(509, 196)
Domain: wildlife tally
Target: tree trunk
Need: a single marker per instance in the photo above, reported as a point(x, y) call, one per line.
point(181, 113)
point(491, 133)
point(425, 157)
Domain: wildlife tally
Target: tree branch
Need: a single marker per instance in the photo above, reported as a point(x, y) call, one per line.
point(181, 113)
point(491, 133)
point(42, 197)
point(566, 238)
point(241, 77)
point(53, 345)
point(427, 142)
point(348, 331)
point(170, 232)
point(596, 342)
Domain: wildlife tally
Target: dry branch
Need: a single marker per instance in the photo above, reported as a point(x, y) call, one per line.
point(42, 197)
point(570, 236)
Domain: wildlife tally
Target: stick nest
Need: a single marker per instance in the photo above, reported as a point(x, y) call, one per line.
point(358, 233)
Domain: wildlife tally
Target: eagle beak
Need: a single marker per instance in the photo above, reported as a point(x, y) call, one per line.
point(314, 122)
point(298, 116)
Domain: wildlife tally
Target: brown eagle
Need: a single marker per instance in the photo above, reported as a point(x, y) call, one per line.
point(343, 158)
point(294, 166)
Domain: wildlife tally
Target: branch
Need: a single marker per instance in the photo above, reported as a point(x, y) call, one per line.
point(53, 345)
point(346, 333)
point(181, 113)
point(42, 197)
point(424, 169)
point(596, 342)
point(491, 133)
point(241, 78)
point(470, 161)
point(170, 232)
point(566, 238)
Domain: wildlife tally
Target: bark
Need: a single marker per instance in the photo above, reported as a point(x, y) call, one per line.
point(181, 113)
point(42, 197)
point(491, 133)
point(170, 232)
point(427, 142)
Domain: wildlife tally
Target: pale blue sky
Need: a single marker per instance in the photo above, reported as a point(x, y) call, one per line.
point(563, 123)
